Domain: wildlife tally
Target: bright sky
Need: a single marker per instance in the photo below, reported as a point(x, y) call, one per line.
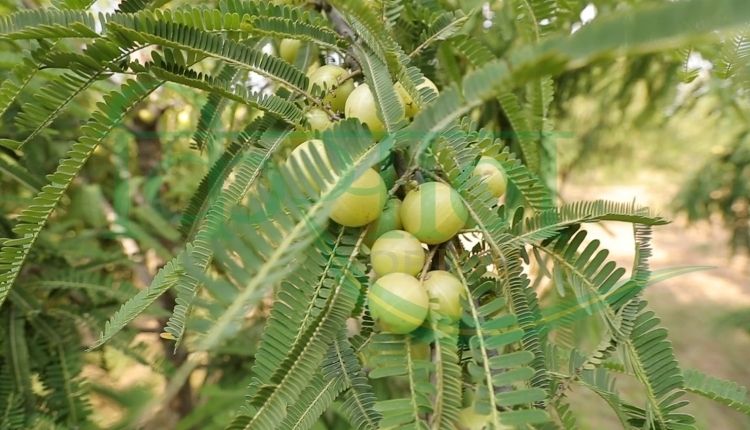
point(587, 14)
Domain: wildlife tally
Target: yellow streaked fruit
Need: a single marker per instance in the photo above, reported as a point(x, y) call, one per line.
point(318, 119)
point(470, 419)
point(312, 67)
point(305, 151)
point(361, 105)
point(389, 219)
point(330, 79)
point(446, 294)
point(410, 106)
point(288, 49)
point(362, 202)
point(433, 212)
point(492, 174)
point(296, 137)
point(398, 302)
point(397, 252)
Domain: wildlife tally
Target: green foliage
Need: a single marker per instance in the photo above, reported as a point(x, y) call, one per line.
point(735, 57)
point(259, 300)
point(211, 111)
point(43, 24)
point(721, 187)
point(505, 376)
point(726, 392)
point(247, 171)
point(654, 364)
point(288, 376)
point(31, 221)
point(20, 75)
point(275, 105)
point(381, 86)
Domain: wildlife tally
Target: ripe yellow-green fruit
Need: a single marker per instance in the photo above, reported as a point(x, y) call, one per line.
point(288, 49)
point(398, 302)
point(471, 420)
point(312, 67)
point(389, 219)
point(397, 251)
point(318, 119)
point(305, 150)
point(296, 137)
point(361, 105)
point(146, 115)
point(362, 203)
point(492, 174)
point(433, 212)
point(446, 293)
point(410, 106)
point(329, 78)
point(405, 98)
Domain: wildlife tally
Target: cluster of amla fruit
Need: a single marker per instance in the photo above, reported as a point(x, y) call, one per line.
point(344, 97)
point(404, 292)
point(398, 232)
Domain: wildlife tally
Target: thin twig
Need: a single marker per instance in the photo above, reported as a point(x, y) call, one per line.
point(353, 74)
point(428, 263)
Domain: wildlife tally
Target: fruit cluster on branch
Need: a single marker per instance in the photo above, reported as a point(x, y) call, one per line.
point(398, 232)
